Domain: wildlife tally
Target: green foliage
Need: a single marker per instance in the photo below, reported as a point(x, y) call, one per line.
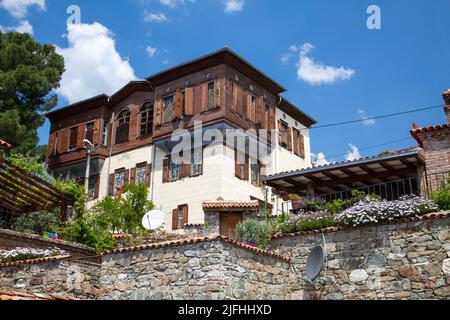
point(256, 232)
point(29, 73)
point(310, 222)
point(37, 222)
point(30, 164)
point(442, 196)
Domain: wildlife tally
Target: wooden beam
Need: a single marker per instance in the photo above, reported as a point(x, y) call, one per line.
point(312, 178)
point(23, 195)
point(408, 164)
point(386, 166)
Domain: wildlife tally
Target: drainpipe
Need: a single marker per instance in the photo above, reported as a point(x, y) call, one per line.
point(110, 153)
point(276, 154)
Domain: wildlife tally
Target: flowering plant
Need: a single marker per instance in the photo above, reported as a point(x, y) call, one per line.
point(19, 254)
point(370, 211)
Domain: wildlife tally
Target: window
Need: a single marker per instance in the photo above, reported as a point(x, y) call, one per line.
point(73, 139)
point(168, 108)
point(299, 143)
point(241, 165)
point(123, 126)
point(146, 119)
point(211, 95)
point(105, 133)
point(92, 186)
point(284, 136)
point(89, 132)
point(196, 163)
point(256, 173)
point(180, 217)
point(119, 180)
point(141, 173)
point(174, 171)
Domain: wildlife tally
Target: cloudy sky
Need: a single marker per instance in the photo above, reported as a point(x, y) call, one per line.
point(334, 67)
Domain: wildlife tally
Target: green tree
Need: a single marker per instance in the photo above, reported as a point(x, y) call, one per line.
point(29, 71)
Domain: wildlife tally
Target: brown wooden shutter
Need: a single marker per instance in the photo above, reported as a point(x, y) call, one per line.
point(204, 100)
point(301, 145)
point(289, 138)
point(110, 131)
point(97, 133)
point(185, 170)
point(165, 177)
point(133, 176)
point(51, 144)
point(234, 100)
point(111, 184)
point(97, 186)
point(272, 118)
point(280, 134)
point(260, 109)
point(158, 112)
point(185, 210)
point(175, 219)
point(295, 141)
point(249, 113)
point(189, 102)
point(218, 93)
point(148, 174)
point(177, 112)
point(81, 131)
point(237, 167)
point(126, 178)
point(247, 167)
point(240, 101)
point(64, 140)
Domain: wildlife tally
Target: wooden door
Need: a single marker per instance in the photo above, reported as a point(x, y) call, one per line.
point(228, 224)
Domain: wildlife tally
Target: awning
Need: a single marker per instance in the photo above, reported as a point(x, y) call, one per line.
point(22, 192)
point(347, 175)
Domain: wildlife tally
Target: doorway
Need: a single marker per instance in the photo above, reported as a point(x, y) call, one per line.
point(228, 224)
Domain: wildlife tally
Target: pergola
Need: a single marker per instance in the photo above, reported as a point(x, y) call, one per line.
point(22, 192)
point(373, 173)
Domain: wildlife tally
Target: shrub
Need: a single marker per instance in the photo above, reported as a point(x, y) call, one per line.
point(369, 211)
point(442, 196)
point(307, 221)
point(256, 232)
point(37, 222)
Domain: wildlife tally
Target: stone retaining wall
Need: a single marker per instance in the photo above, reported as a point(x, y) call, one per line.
point(409, 260)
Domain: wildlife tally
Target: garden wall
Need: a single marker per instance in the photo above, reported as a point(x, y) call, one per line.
point(202, 268)
point(409, 259)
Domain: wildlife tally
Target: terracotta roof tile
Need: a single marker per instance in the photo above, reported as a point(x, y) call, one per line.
point(194, 241)
point(31, 296)
point(230, 204)
point(416, 131)
point(33, 261)
point(5, 144)
point(430, 216)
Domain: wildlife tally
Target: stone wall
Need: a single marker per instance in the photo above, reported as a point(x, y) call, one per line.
point(199, 269)
point(408, 260)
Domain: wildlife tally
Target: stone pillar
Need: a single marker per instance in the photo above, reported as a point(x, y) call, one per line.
point(422, 181)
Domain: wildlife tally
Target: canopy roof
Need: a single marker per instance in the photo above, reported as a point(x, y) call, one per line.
point(349, 174)
point(22, 192)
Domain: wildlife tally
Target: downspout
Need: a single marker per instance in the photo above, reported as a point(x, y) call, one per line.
point(152, 188)
point(276, 152)
point(110, 152)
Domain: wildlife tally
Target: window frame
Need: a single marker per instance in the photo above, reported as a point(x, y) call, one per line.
point(73, 145)
point(127, 121)
point(211, 95)
point(118, 171)
point(284, 143)
point(139, 167)
point(148, 112)
point(105, 133)
point(91, 131)
point(164, 106)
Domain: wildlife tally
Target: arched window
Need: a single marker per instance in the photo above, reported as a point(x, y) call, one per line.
point(146, 119)
point(123, 126)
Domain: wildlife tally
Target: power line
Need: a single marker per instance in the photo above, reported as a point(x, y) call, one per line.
point(375, 118)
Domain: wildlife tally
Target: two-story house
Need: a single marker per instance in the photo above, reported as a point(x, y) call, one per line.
point(133, 132)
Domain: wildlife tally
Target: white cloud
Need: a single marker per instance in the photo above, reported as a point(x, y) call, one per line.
point(165, 61)
point(151, 51)
point(19, 8)
point(155, 17)
point(285, 58)
point(316, 73)
point(363, 116)
point(319, 159)
point(353, 154)
point(93, 65)
point(174, 3)
point(233, 6)
point(23, 27)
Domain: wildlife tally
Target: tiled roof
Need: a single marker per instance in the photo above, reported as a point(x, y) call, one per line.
point(430, 216)
point(230, 204)
point(325, 166)
point(31, 296)
point(33, 261)
point(415, 132)
point(194, 241)
point(5, 144)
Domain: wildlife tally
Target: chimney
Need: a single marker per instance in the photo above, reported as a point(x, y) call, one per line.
point(446, 96)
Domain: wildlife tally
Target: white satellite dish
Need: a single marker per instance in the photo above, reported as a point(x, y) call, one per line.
point(152, 220)
point(315, 262)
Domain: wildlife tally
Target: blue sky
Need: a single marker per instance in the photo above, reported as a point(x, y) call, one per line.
point(362, 72)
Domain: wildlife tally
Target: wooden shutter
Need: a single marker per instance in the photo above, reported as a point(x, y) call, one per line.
point(81, 130)
point(97, 133)
point(178, 111)
point(240, 101)
point(234, 99)
point(51, 144)
point(204, 100)
point(260, 109)
point(189, 102)
point(295, 141)
point(133, 176)
point(301, 145)
point(237, 167)
point(158, 112)
point(185, 170)
point(250, 113)
point(246, 167)
point(111, 184)
point(126, 178)
point(165, 177)
point(289, 138)
point(272, 118)
point(185, 210)
point(280, 134)
point(148, 174)
point(63, 140)
point(218, 93)
point(109, 134)
point(97, 186)
point(175, 219)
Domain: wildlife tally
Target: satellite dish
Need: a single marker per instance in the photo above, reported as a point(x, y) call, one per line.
point(152, 220)
point(315, 262)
